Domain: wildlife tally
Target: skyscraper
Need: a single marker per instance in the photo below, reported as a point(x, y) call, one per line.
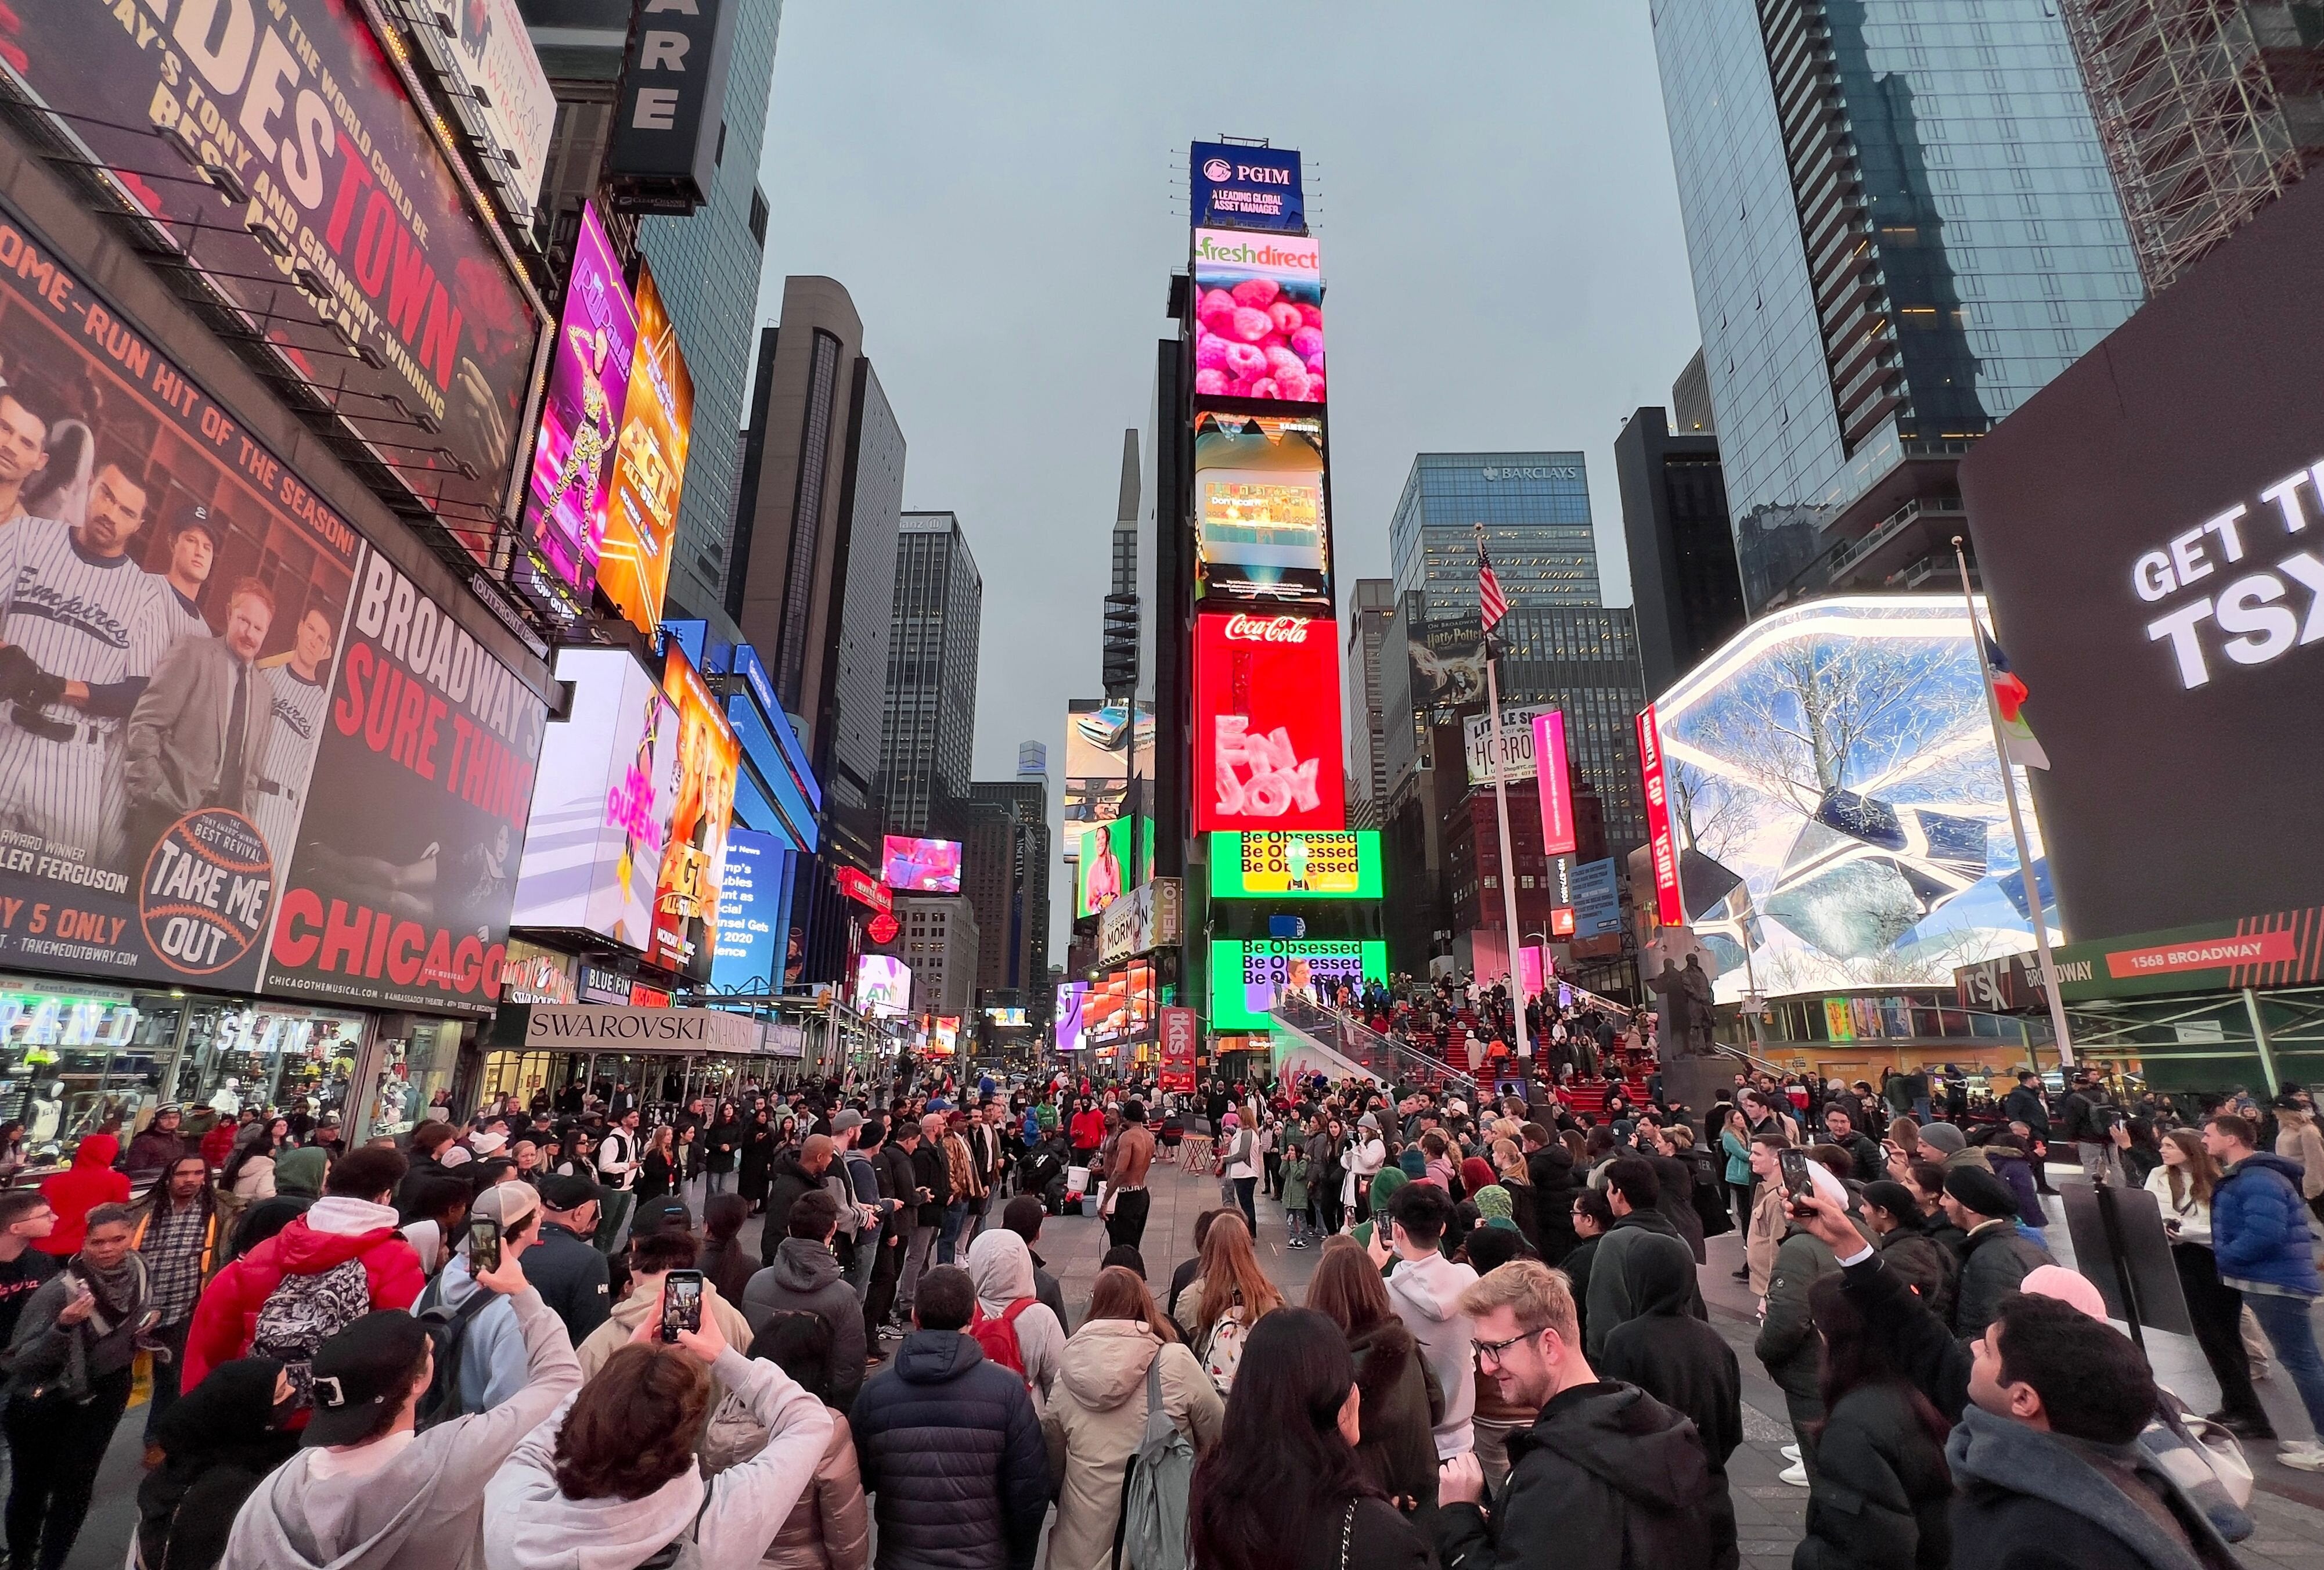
point(1688, 594)
point(2207, 112)
point(930, 720)
point(1900, 226)
point(1005, 872)
point(705, 265)
point(1370, 614)
point(1535, 509)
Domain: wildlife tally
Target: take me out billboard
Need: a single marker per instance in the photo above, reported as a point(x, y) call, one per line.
point(2150, 528)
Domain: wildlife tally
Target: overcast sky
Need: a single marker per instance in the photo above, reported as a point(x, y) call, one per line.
point(1000, 186)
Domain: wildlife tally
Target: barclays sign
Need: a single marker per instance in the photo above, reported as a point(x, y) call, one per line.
point(1530, 472)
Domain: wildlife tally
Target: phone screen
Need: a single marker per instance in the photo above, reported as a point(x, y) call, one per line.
point(681, 1303)
point(1797, 1183)
point(483, 1246)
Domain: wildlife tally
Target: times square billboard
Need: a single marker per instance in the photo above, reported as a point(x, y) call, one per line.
point(2150, 527)
point(1835, 804)
point(1267, 723)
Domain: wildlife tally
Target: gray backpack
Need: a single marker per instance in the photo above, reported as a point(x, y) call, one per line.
point(1154, 1501)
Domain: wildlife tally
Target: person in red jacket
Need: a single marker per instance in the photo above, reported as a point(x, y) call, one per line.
point(351, 1221)
point(73, 1193)
point(218, 1143)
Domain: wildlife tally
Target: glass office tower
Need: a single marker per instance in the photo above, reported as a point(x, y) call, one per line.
point(1535, 509)
point(1901, 226)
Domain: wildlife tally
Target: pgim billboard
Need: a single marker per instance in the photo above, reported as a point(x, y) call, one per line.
point(1267, 723)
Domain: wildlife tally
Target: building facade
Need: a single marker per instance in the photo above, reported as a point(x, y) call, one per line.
point(1369, 616)
point(929, 726)
point(939, 941)
point(1687, 593)
point(1585, 663)
point(1901, 226)
point(1535, 509)
point(1005, 873)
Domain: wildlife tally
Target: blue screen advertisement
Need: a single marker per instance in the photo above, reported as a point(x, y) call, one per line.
point(1245, 187)
point(1597, 900)
point(751, 905)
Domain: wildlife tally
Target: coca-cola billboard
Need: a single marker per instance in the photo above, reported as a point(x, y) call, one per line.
point(1266, 723)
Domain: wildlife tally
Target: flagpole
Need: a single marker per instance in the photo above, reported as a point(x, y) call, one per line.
point(2017, 820)
point(1509, 857)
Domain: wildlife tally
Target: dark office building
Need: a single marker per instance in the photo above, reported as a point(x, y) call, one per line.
point(1005, 873)
point(930, 721)
point(1688, 594)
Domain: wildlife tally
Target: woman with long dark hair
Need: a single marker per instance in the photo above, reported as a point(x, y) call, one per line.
point(2183, 1186)
point(1283, 1489)
point(1880, 1449)
point(1401, 1402)
point(758, 1159)
point(249, 1174)
point(721, 1148)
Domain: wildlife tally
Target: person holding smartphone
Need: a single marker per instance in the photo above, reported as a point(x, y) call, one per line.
point(503, 1223)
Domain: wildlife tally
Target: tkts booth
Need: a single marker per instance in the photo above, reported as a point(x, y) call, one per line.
point(265, 757)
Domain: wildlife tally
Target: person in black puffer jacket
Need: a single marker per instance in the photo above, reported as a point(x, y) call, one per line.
point(1550, 1166)
point(1882, 1494)
point(792, 1173)
point(949, 1445)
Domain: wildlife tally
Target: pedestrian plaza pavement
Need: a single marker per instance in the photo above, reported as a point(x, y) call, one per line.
point(1770, 1515)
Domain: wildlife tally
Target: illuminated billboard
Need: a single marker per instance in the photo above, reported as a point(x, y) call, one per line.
point(601, 810)
point(1307, 864)
point(1250, 978)
point(883, 986)
point(1102, 871)
point(1068, 1022)
point(1556, 782)
point(920, 866)
point(1833, 800)
point(650, 466)
point(1260, 528)
point(1121, 1006)
point(686, 897)
point(1267, 723)
point(1099, 745)
point(2147, 526)
point(1237, 187)
point(581, 415)
point(1258, 317)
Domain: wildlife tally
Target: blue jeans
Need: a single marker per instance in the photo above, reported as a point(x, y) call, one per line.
point(719, 1182)
point(2292, 1334)
point(955, 1215)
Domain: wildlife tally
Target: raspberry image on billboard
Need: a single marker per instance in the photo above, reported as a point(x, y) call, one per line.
point(1258, 317)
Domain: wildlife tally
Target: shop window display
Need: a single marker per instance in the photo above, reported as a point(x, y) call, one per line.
point(418, 1058)
point(239, 1054)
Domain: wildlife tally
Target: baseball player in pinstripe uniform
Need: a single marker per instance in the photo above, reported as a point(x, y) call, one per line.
point(23, 453)
point(299, 684)
point(81, 627)
point(194, 539)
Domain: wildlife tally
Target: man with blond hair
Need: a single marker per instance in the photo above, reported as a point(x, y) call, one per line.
point(1607, 1472)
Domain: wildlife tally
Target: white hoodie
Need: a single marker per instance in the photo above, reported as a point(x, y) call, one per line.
point(531, 1525)
point(1426, 1294)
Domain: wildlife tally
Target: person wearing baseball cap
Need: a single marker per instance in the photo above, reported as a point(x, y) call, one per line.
point(492, 1350)
point(574, 1280)
point(1998, 1256)
point(368, 1488)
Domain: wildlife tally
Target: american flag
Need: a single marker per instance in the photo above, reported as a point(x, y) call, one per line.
point(1492, 605)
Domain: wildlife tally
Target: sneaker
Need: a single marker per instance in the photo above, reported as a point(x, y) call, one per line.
point(1796, 1473)
point(2304, 1456)
point(1791, 1453)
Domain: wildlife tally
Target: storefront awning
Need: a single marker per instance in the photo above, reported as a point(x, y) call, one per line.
point(618, 1028)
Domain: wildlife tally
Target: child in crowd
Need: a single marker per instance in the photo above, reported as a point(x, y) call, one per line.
point(1297, 1203)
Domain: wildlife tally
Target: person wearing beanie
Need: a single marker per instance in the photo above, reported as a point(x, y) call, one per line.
point(1493, 1204)
point(1414, 1164)
point(1945, 1143)
point(1997, 1257)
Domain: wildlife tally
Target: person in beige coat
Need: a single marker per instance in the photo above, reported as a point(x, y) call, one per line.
point(828, 1528)
point(2297, 1139)
point(1769, 1216)
point(1096, 1413)
point(731, 1435)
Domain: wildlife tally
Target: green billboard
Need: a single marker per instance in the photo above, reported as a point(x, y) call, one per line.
point(1296, 864)
point(1248, 977)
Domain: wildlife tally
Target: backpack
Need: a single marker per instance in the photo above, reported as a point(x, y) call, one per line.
point(302, 1313)
point(1154, 1501)
point(448, 1329)
point(997, 1338)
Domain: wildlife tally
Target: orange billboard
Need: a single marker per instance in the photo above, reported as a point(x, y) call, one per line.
point(648, 465)
point(694, 857)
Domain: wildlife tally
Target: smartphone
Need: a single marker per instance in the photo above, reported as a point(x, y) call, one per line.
point(1797, 1183)
point(681, 1303)
point(483, 1246)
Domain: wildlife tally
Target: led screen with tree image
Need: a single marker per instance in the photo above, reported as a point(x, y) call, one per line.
point(1837, 803)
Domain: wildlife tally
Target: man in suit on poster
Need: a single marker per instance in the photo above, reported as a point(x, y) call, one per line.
point(198, 733)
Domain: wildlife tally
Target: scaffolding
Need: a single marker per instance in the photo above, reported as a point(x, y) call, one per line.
point(2206, 109)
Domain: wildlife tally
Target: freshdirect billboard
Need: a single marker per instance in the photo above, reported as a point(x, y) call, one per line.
point(580, 417)
point(1250, 978)
point(686, 897)
point(2148, 526)
point(601, 816)
point(1260, 530)
point(1258, 317)
point(1267, 723)
point(1309, 864)
point(649, 468)
point(349, 226)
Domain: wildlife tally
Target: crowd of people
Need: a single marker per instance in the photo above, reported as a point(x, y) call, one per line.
point(516, 1340)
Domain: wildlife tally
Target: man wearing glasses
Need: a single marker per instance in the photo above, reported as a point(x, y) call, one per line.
point(1608, 1474)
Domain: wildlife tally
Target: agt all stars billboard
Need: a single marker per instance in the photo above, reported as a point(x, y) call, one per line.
point(1266, 723)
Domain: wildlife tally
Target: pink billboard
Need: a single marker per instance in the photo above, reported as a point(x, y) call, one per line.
point(581, 415)
point(920, 866)
point(1556, 783)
